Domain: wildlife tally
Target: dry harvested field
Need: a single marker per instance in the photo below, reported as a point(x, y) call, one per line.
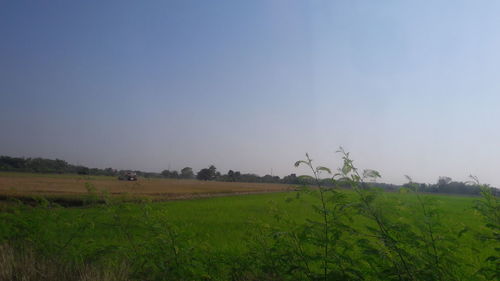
point(25, 184)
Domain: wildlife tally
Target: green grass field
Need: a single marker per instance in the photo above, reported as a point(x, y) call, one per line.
point(224, 227)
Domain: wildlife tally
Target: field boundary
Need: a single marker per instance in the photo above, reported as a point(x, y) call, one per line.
point(82, 200)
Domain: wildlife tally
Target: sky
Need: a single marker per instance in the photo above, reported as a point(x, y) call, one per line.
point(407, 87)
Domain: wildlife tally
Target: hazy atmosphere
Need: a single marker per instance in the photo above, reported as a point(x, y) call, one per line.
point(166, 140)
point(407, 88)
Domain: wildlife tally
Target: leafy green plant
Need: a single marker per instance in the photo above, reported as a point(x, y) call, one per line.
point(489, 208)
point(328, 234)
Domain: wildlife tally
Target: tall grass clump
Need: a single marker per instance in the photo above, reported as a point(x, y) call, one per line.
point(26, 264)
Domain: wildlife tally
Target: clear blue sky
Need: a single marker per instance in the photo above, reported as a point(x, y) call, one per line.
point(409, 87)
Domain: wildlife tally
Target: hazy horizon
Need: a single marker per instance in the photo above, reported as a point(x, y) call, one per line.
point(407, 88)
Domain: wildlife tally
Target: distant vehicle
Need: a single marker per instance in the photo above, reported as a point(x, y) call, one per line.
point(128, 176)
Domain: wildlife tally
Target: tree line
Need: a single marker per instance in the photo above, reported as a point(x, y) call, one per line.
point(444, 185)
point(58, 166)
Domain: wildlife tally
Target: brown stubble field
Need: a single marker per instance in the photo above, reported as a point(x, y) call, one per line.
point(25, 185)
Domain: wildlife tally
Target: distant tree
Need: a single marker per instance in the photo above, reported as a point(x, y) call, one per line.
point(443, 181)
point(83, 170)
point(109, 172)
point(165, 173)
point(230, 176)
point(249, 178)
point(208, 174)
point(12, 163)
point(170, 174)
point(270, 179)
point(213, 170)
point(187, 173)
point(204, 175)
point(291, 179)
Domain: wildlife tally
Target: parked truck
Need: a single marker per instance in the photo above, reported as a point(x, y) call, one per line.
point(128, 176)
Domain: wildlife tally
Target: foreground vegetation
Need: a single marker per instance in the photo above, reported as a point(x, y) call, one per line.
point(319, 233)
